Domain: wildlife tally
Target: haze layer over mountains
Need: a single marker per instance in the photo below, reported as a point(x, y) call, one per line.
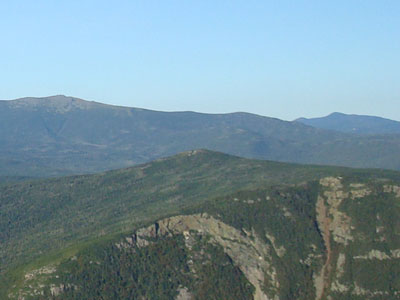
point(354, 124)
point(64, 135)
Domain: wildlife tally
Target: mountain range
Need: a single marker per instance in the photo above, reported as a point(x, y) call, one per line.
point(59, 135)
point(358, 124)
point(154, 222)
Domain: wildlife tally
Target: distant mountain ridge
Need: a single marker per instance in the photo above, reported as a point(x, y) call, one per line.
point(62, 135)
point(358, 124)
point(58, 103)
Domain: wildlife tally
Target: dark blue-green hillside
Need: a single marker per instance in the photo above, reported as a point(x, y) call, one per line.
point(357, 124)
point(65, 136)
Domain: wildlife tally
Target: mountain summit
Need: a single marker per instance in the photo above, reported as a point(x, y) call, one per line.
point(358, 124)
point(58, 103)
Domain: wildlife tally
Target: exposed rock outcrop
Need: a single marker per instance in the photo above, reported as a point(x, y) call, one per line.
point(248, 251)
point(335, 224)
point(380, 255)
point(348, 244)
point(184, 294)
point(392, 189)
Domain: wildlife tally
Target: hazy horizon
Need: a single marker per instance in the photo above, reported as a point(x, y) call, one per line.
point(227, 112)
point(284, 60)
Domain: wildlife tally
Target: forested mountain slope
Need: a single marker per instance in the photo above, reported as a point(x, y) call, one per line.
point(203, 225)
point(45, 214)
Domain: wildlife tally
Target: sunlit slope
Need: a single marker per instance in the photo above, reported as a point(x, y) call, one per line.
point(207, 225)
point(49, 214)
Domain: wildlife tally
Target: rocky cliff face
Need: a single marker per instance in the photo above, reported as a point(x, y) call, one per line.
point(248, 251)
point(350, 248)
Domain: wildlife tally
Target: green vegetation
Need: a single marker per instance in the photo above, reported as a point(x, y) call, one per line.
point(51, 214)
point(264, 211)
point(158, 271)
point(74, 224)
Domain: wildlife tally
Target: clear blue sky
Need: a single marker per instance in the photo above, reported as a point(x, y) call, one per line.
point(283, 59)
